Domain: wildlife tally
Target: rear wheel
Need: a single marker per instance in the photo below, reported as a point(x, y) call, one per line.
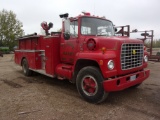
point(89, 85)
point(25, 68)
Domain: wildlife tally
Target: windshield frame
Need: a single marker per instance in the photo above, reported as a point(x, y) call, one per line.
point(113, 32)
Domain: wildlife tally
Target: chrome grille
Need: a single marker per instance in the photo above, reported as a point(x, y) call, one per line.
point(131, 56)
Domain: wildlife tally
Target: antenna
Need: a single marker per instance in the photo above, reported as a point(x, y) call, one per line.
point(94, 8)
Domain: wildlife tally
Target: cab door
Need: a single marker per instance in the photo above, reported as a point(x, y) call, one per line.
point(69, 47)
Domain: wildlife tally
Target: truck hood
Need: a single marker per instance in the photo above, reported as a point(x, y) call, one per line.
point(113, 43)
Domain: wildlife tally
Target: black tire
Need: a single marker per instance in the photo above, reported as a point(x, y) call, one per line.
point(25, 68)
point(89, 85)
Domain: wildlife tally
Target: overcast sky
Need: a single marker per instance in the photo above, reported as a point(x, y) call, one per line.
point(140, 14)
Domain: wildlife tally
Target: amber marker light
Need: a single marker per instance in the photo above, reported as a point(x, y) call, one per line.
point(101, 62)
point(103, 50)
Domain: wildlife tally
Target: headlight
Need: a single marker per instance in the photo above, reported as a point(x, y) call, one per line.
point(110, 64)
point(146, 58)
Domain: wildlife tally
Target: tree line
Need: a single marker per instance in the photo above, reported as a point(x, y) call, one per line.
point(10, 29)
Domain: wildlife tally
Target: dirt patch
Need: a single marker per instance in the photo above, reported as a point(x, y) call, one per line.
point(30, 80)
point(145, 112)
point(43, 98)
point(12, 84)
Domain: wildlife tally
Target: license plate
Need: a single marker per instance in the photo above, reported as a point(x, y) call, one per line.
point(132, 78)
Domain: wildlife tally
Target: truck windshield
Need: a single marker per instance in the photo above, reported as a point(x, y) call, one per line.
point(95, 26)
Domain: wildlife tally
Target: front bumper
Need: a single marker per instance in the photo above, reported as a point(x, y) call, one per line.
point(126, 81)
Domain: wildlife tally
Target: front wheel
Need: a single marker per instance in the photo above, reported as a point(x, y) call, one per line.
point(89, 85)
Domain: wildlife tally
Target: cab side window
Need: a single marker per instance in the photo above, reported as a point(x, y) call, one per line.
point(74, 28)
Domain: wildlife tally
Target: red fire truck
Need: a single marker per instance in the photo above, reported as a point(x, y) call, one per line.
point(87, 53)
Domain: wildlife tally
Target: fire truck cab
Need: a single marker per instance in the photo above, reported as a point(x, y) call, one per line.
point(86, 52)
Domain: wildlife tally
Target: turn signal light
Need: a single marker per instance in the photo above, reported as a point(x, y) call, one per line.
point(103, 49)
point(101, 62)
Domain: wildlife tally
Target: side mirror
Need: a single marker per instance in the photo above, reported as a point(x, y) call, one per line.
point(66, 36)
point(67, 25)
point(66, 29)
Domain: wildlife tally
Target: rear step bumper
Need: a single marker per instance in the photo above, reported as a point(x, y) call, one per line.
point(124, 82)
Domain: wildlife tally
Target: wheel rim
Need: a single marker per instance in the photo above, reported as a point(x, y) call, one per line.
point(24, 67)
point(89, 85)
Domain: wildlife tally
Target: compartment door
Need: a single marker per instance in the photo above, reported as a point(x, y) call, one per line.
point(49, 57)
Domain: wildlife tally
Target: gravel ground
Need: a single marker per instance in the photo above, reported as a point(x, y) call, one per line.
point(42, 98)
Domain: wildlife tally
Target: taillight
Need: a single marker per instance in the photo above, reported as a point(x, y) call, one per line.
point(91, 44)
